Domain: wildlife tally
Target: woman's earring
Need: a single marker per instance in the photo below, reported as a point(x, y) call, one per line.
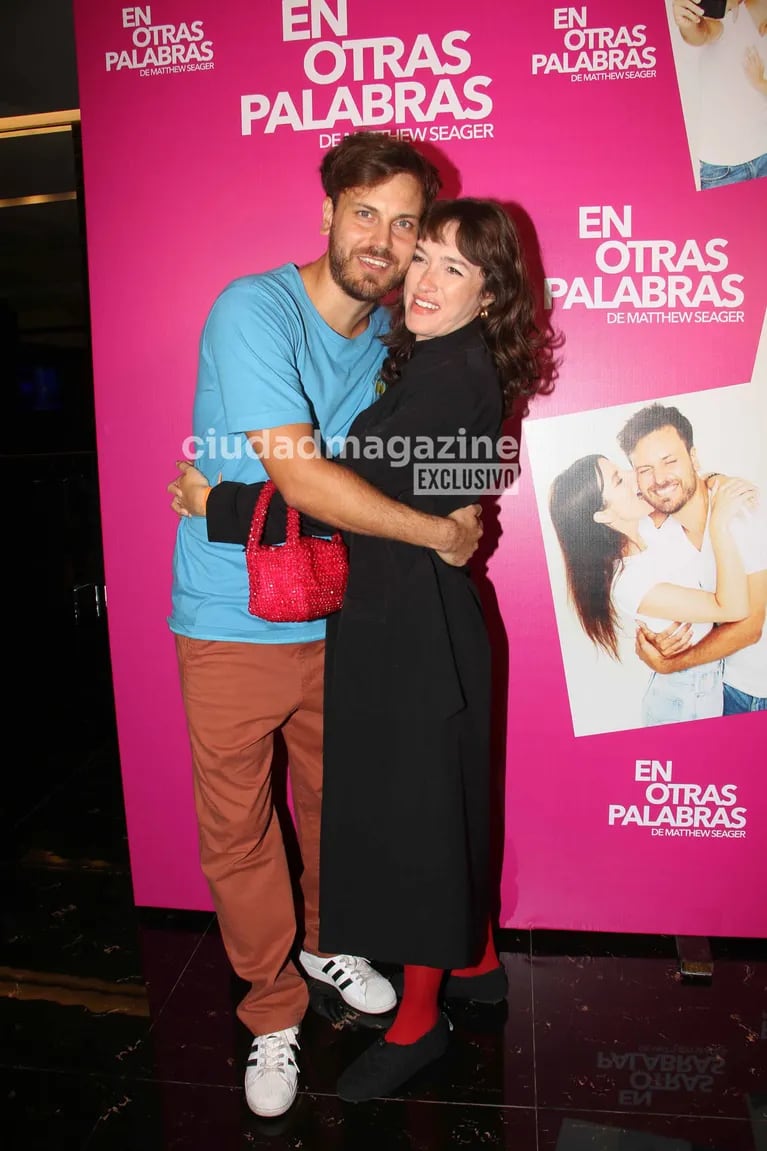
point(483, 313)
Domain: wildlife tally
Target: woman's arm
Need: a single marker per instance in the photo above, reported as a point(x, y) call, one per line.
point(228, 508)
point(720, 642)
point(229, 512)
point(730, 601)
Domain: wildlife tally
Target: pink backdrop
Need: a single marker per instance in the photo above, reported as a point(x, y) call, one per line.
point(180, 201)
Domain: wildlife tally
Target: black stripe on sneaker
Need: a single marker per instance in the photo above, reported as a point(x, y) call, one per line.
point(339, 974)
point(343, 986)
point(328, 967)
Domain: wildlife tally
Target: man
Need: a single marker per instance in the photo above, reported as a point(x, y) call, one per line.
point(282, 354)
point(659, 442)
point(731, 132)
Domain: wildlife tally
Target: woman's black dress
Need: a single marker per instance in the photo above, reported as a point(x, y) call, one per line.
point(405, 820)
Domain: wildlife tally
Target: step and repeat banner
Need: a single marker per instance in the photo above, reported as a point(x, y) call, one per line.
point(631, 158)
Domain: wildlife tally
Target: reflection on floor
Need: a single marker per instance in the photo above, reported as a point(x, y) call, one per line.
point(117, 1027)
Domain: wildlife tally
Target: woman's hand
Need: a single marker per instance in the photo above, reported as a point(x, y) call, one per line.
point(190, 490)
point(754, 69)
point(731, 495)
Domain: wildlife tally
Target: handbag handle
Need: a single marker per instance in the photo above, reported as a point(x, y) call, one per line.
point(259, 517)
point(259, 512)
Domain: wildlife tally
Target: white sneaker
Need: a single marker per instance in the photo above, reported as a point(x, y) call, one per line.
point(271, 1077)
point(358, 984)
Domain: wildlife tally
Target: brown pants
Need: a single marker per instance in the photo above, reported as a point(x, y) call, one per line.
point(236, 696)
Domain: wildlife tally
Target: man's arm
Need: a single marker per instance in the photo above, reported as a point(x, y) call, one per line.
point(696, 29)
point(719, 643)
point(327, 491)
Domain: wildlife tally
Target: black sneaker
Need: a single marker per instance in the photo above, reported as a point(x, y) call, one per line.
point(386, 1066)
point(492, 987)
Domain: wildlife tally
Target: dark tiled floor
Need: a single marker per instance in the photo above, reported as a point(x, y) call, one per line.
point(117, 1027)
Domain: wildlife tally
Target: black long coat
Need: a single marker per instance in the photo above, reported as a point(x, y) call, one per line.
point(404, 859)
point(405, 820)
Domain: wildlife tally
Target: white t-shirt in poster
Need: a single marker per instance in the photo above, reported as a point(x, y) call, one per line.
point(733, 113)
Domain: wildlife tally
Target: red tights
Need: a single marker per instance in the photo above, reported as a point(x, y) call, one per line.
point(418, 1011)
point(488, 962)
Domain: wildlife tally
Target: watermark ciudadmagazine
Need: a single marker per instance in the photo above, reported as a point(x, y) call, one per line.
point(449, 464)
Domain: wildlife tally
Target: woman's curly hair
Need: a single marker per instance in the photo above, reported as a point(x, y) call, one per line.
point(487, 238)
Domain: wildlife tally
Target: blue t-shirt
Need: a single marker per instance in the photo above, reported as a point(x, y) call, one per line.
point(267, 358)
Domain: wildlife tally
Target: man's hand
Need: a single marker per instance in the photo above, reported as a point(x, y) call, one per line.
point(686, 14)
point(696, 29)
point(656, 648)
point(190, 490)
point(469, 521)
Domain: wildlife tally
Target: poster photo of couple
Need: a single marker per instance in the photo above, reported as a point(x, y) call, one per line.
point(654, 520)
point(720, 56)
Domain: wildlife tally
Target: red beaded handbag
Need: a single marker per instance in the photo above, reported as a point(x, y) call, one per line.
point(302, 579)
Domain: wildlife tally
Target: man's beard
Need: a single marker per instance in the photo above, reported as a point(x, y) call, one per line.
point(682, 495)
point(366, 289)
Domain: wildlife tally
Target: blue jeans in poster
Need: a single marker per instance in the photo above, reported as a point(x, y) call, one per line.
point(739, 702)
point(716, 175)
point(684, 695)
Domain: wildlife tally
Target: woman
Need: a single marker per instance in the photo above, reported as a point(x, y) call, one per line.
point(615, 560)
point(404, 859)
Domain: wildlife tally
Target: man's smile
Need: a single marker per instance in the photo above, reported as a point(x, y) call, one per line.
point(378, 263)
